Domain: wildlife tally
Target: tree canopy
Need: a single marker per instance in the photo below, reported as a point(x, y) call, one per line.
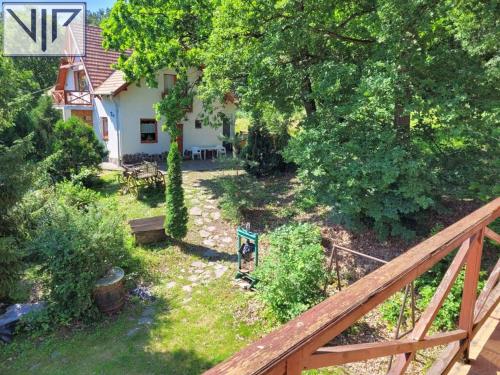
point(396, 101)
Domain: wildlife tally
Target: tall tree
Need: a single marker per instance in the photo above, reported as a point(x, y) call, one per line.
point(176, 217)
point(15, 168)
point(391, 119)
point(396, 97)
point(97, 16)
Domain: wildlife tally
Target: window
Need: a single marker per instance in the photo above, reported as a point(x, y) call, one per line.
point(149, 131)
point(104, 128)
point(81, 83)
point(197, 124)
point(168, 83)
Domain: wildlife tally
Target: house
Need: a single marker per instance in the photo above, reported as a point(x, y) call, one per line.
point(122, 113)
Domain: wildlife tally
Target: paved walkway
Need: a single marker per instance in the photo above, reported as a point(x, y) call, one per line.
point(484, 351)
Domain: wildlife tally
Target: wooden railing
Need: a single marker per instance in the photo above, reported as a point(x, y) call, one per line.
point(68, 97)
point(300, 344)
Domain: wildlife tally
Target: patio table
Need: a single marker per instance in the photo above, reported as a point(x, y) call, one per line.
point(204, 150)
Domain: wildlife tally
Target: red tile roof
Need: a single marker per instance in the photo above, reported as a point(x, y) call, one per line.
point(97, 60)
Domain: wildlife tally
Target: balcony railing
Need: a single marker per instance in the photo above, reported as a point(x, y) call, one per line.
point(302, 343)
point(68, 97)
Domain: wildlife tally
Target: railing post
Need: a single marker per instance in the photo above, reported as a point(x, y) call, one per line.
point(294, 364)
point(469, 294)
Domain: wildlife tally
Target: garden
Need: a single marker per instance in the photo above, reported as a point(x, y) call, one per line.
point(362, 136)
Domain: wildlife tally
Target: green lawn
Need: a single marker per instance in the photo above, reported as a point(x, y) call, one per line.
point(189, 332)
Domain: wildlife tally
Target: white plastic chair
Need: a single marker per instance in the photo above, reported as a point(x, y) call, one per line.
point(221, 150)
point(196, 151)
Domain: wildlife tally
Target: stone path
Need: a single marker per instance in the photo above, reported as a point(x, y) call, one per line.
point(213, 232)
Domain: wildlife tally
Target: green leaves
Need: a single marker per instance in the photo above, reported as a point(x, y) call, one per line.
point(176, 216)
point(394, 104)
point(293, 274)
point(77, 246)
point(75, 147)
point(10, 266)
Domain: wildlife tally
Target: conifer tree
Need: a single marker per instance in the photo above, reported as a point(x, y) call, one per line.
point(176, 217)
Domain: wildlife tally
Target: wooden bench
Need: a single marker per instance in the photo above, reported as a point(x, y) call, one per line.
point(148, 230)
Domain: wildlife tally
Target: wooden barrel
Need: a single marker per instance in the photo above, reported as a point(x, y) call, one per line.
point(109, 293)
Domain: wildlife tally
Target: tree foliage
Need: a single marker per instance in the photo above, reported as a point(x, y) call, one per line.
point(396, 101)
point(10, 266)
point(75, 147)
point(391, 120)
point(176, 217)
point(16, 171)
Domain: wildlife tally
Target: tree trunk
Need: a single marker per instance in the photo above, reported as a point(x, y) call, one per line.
point(401, 120)
point(309, 103)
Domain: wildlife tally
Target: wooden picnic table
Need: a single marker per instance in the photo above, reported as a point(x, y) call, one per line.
point(141, 174)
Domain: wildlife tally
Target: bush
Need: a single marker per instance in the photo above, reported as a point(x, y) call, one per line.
point(76, 195)
point(262, 153)
point(77, 247)
point(76, 147)
point(366, 174)
point(10, 266)
point(292, 276)
point(87, 177)
point(177, 216)
point(235, 197)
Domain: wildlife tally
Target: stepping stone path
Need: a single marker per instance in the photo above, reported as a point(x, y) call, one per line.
point(208, 220)
point(196, 211)
point(211, 232)
point(204, 233)
point(202, 273)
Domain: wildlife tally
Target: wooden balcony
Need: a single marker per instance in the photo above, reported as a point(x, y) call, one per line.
point(68, 97)
point(301, 344)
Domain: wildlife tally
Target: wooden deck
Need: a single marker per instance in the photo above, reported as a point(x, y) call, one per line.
point(302, 343)
point(484, 350)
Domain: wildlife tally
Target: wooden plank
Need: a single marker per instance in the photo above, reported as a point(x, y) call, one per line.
point(294, 364)
point(491, 235)
point(402, 361)
point(486, 309)
point(339, 355)
point(452, 353)
point(488, 287)
point(443, 364)
point(469, 294)
point(323, 322)
point(147, 224)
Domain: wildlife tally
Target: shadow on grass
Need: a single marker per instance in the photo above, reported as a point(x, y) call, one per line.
point(265, 203)
point(109, 185)
point(152, 196)
point(207, 253)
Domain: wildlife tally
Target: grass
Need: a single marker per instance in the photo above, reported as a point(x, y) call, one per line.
point(189, 333)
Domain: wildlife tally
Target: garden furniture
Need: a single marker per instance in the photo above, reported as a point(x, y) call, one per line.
point(221, 150)
point(148, 230)
point(142, 174)
point(196, 152)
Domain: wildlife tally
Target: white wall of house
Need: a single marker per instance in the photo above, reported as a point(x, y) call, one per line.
point(70, 80)
point(137, 102)
point(105, 107)
point(125, 111)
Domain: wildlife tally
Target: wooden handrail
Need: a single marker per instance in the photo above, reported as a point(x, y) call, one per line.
point(289, 349)
point(72, 97)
